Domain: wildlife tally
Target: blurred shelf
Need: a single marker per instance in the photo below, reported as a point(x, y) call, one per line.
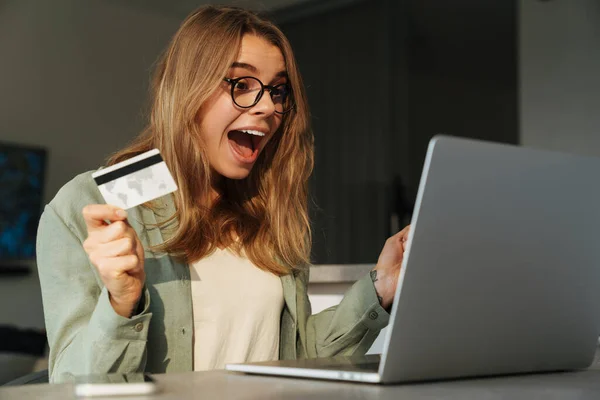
point(338, 273)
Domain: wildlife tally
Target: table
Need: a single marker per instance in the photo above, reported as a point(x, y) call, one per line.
point(227, 385)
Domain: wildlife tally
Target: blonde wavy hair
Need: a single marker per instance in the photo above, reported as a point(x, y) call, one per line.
point(267, 211)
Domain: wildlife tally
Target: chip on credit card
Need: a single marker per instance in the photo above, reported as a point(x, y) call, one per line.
point(135, 181)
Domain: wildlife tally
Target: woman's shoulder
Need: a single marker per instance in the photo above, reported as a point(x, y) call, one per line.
point(72, 197)
point(77, 193)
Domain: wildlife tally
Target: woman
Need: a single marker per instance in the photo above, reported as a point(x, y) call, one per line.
point(217, 272)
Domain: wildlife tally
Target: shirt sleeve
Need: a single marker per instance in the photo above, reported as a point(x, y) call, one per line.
point(350, 328)
point(85, 334)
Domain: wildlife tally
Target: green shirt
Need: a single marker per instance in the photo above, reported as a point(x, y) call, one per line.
point(86, 336)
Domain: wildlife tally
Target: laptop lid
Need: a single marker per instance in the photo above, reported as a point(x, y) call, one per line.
point(502, 274)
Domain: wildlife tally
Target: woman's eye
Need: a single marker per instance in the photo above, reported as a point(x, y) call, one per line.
point(276, 93)
point(280, 91)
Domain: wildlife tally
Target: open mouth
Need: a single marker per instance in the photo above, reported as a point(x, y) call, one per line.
point(245, 143)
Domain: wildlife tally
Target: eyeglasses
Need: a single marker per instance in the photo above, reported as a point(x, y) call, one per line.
point(247, 91)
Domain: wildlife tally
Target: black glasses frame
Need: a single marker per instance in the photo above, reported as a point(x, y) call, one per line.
point(263, 87)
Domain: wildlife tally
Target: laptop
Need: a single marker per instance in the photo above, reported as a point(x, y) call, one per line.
point(501, 276)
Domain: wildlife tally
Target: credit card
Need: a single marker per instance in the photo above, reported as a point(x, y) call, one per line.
point(135, 181)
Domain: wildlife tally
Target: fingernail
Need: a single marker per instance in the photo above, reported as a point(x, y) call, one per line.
point(121, 213)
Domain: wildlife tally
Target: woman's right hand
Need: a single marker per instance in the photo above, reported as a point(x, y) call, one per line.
point(118, 255)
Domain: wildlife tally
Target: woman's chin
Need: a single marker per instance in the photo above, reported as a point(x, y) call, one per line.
point(237, 172)
point(232, 166)
point(239, 176)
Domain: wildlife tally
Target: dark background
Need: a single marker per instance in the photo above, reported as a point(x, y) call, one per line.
point(383, 77)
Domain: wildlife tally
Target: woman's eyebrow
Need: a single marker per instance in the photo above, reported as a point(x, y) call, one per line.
point(237, 64)
point(281, 74)
point(250, 67)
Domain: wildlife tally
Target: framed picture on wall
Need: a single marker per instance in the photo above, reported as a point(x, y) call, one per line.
point(22, 178)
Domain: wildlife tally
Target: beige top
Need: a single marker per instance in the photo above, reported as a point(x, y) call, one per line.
point(236, 311)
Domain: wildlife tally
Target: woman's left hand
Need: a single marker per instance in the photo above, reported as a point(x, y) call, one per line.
point(386, 272)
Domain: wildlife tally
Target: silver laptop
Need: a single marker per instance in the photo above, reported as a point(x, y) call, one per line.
point(502, 274)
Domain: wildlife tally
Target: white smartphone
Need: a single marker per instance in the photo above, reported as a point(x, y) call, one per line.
point(114, 385)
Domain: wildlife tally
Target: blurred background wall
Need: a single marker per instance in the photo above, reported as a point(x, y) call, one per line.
point(383, 77)
point(559, 75)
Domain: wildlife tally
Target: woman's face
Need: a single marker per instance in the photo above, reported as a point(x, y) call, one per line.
point(235, 136)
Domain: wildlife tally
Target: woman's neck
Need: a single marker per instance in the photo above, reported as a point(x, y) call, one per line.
point(215, 188)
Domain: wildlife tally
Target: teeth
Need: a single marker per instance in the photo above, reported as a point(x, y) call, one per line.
point(251, 132)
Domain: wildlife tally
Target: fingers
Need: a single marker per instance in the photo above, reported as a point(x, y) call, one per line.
point(118, 256)
point(119, 247)
point(113, 232)
point(112, 268)
point(405, 233)
point(96, 215)
point(402, 236)
point(116, 252)
point(109, 240)
point(113, 238)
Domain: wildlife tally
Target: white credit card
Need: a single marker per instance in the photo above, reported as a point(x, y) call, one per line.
point(135, 181)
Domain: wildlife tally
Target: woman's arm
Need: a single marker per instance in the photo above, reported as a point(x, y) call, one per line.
point(85, 334)
point(350, 328)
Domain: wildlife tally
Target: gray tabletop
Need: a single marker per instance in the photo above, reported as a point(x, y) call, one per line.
point(227, 385)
